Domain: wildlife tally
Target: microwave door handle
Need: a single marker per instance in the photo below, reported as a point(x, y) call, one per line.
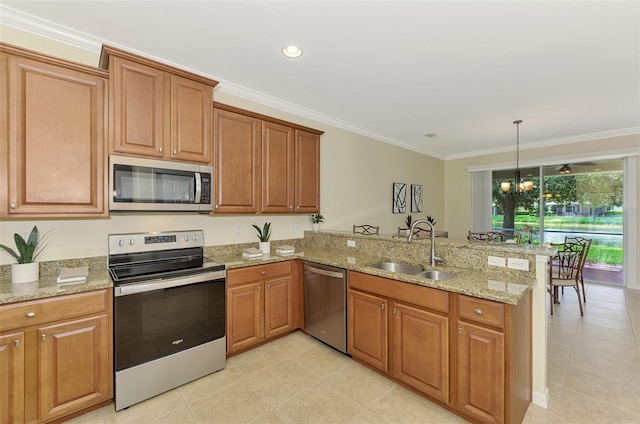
point(198, 187)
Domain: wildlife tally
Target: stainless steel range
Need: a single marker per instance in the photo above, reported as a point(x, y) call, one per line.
point(169, 313)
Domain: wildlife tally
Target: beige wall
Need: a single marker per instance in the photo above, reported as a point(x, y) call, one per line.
point(356, 183)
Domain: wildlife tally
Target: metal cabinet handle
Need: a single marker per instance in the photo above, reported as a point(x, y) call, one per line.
point(263, 272)
point(160, 149)
point(459, 330)
point(44, 337)
point(12, 205)
point(16, 343)
point(175, 151)
point(258, 289)
point(30, 314)
point(478, 311)
point(395, 311)
point(382, 306)
point(268, 286)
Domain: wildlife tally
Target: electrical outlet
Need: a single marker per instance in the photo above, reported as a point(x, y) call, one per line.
point(517, 263)
point(351, 260)
point(294, 227)
point(238, 232)
point(497, 261)
point(351, 243)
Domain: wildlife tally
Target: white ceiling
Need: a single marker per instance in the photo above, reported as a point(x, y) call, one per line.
point(392, 70)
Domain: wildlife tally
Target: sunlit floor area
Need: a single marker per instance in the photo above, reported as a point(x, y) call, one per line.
point(594, 377)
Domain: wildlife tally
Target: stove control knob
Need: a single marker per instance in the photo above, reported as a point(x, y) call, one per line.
point(186, 238)
point(195, 238)
point(120, 243)
point(131, 242)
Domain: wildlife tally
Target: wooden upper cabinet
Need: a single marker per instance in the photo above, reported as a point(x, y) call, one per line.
point(158, 111)
point(53, 126)
point(137, 100)
point(236, 143)
point(285, 168)
point(307, 185)
point(277, 168)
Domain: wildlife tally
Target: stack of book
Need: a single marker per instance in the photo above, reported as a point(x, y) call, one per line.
point(251, 253)
point(73, 275)
point(285, 250)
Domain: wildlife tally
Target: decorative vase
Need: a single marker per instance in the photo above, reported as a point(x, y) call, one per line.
point(25, 273)
point(265, 247)
point(315, 226)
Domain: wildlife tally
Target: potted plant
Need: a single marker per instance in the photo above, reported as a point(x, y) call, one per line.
point(431, 220)
point(27, 268)
point(264, 234)
point(316, 219)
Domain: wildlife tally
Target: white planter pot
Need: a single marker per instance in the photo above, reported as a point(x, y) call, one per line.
point(25, 273)
point(316, 227)
point(265, 247)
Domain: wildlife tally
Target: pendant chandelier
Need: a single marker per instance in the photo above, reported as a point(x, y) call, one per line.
point(519, 186)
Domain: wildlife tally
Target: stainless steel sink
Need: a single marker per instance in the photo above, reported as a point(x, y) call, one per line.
point(399, 267)
point(436, 275)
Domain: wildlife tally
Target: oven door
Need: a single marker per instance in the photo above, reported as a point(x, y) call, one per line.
point(158, 318)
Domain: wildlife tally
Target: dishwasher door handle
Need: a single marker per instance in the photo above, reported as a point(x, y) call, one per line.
point(324, 272)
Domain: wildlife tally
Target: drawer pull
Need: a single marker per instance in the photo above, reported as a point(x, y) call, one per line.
point(478, 311)
point(30, 314)
point(263, 272)
point(16, 343)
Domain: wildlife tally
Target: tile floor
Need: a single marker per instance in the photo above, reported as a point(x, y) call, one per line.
point(594, 377)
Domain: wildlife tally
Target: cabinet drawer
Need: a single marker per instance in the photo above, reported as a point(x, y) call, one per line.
point(481, 311)
point(36, 312)
point(257, 273)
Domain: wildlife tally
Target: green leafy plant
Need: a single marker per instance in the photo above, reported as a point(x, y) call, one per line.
point(263, 233)
point(408, 221)
point(431, 220)
point(316, 218)
point(27, 250)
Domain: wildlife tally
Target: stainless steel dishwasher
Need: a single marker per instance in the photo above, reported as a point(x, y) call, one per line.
point(325, 304)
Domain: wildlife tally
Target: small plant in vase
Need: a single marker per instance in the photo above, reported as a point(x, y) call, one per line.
point(407, 222)
point(316, 219)
point(27, 268)
point(431, 220)
point(264, 234)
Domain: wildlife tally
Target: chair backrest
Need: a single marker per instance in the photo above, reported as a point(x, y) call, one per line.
point(488, 236)
point(567, 262)
point(421, 232)
point(365, 229)
point(583, 241)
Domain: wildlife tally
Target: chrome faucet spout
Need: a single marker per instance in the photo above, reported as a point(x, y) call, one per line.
point(433, 258)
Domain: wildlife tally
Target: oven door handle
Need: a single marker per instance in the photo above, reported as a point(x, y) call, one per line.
point(160, 284)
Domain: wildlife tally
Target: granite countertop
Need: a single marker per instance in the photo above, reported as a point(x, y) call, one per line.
point(47, 286)
point(492, 286)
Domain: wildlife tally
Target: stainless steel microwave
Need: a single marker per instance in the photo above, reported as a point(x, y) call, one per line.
point(138, 184)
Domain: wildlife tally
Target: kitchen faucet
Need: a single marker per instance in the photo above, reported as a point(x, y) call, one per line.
point(433, 258)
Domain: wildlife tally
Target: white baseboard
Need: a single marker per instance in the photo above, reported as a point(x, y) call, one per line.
point(541, 399)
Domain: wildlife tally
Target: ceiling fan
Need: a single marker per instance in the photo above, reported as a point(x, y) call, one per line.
point(566, 168)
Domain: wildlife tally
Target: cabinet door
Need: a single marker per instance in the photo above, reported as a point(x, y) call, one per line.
point(137, 104)
point(244, 316)
point(12, 378)
point(278, 306)
point(190, 120)
point(307, 183)
point(480, 388)
point(236, 153)
point(75, 366)
point(421, 350)
point(277, 168)
point(368, 329)
point(56, 153)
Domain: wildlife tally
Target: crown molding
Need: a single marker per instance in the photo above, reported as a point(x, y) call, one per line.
point(549, 143)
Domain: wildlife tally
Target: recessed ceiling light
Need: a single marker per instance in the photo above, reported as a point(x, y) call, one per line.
point(292, 51)
point(431, 135)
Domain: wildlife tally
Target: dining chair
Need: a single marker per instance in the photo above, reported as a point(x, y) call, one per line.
point(366, 229)
point(421, 232)
point(489, 236)
point(564, 271)
point(587, 243)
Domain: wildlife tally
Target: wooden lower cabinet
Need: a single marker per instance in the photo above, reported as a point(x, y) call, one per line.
point(12, 378)
point(55, 356)
point(260, 304)
point(402, 330)
point(493, 359)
